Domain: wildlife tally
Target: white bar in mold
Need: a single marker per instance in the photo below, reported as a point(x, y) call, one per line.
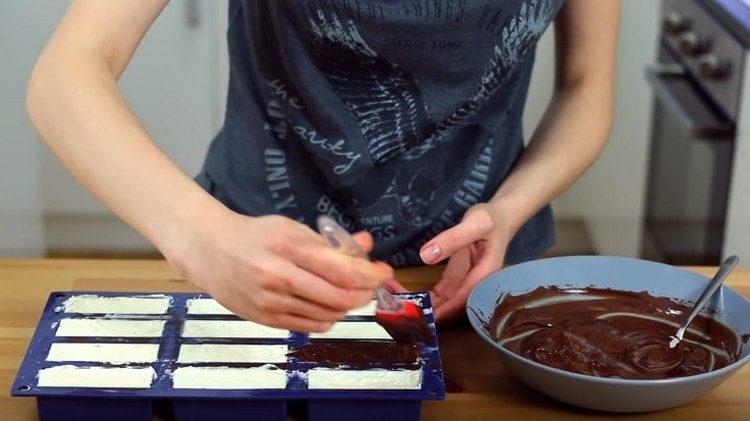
point(110, 328)
point(104, 353)
point(354, 330)
point(366, 310)
point(329, 378)
point(206, 306)
point(209, 306)
point(94, 304)
point(98, 377)
point(232, 353)
point(230, 329)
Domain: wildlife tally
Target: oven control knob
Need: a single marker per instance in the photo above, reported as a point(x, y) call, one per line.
point(694, 44)
point(675, 23)
point(713, 67)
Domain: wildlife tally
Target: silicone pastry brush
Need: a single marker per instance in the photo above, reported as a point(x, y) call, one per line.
point(403, 320)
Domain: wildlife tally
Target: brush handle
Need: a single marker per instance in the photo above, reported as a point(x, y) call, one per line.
point(386, 300)
point(338, 238)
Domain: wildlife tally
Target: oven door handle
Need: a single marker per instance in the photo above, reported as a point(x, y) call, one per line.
point(672, 86)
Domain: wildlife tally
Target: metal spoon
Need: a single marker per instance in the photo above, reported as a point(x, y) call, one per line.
point(726, 268)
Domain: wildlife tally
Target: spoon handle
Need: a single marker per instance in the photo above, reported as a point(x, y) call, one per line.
point(729, 264)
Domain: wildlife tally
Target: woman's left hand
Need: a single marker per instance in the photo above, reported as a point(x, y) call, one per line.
point(475, 248)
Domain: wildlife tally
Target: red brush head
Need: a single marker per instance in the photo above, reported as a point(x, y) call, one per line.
point(407, 325)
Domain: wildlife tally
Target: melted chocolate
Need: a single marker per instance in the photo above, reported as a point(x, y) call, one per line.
point(358, 354)
point(609, 333)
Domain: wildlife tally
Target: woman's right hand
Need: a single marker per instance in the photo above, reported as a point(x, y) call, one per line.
point(276, 271)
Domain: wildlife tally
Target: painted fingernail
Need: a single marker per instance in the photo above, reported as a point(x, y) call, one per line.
point(430, 253)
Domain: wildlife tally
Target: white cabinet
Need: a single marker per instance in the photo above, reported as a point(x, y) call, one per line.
point(24, 28)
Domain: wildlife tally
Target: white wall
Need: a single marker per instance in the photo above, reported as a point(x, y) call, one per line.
point(176, 85)
point(171, 85)
point(610, 196)
point(24, 29)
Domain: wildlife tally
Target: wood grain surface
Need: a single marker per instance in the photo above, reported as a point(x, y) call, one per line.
point(479, 387)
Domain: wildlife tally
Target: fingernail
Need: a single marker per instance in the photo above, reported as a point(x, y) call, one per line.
point(430, 253)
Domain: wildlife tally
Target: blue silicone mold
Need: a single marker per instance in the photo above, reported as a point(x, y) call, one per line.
point(63, 403)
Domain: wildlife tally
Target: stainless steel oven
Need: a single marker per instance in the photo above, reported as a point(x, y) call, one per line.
point(696, 83)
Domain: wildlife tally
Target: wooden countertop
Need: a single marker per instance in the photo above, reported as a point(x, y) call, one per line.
point(479, 387)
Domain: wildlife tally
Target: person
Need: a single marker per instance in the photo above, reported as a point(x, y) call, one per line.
point(400, 119)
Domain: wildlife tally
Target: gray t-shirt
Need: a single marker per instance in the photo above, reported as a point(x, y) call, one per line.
point(391, 116)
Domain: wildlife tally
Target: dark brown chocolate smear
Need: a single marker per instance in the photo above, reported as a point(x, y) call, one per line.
point(587, 336)
point(407, 326)
point(358, 354)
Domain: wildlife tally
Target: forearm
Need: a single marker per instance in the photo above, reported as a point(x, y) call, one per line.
point(570, 136)
point(76, 106)
point(577, 123)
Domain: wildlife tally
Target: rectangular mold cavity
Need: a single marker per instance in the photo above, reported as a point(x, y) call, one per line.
point(373, 379)
point(228, 409)
point(96, 377)
point(364, 410)
point(70, 408)
point(240, 369)
point(237, 378)
point(366, 310)
point(110, 328)
point(117, 353)
point(209, 306)
point(96, 304)
point(230, 329)
point(354, 330)
point(232, 353)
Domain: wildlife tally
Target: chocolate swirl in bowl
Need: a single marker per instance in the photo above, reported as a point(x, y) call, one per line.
point(610, 333)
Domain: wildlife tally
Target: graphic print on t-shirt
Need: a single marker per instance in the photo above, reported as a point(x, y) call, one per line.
point(386, 100)
point(518, 34)
point(383, 97)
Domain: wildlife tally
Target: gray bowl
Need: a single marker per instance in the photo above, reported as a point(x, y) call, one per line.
point(608, 394)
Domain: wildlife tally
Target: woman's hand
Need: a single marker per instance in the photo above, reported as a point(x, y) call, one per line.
point(276, 271)
point(474, 248)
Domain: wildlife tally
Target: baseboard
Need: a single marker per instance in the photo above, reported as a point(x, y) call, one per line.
point(572, 238)
point(93, 236)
